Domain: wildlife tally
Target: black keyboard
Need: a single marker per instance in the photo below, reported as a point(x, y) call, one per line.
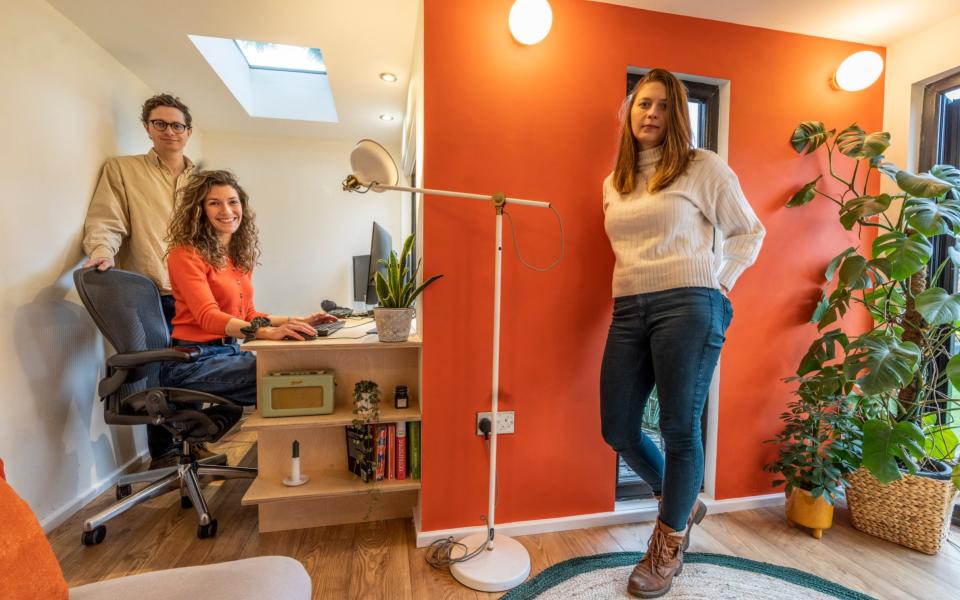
point(325, 329)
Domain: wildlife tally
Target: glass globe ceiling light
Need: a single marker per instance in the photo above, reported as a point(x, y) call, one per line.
point(858, 71)
point(530, 20)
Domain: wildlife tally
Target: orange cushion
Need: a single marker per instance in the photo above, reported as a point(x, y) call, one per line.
point(28, 568)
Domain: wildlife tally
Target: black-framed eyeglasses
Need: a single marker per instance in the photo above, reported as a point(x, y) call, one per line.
point(160, 125)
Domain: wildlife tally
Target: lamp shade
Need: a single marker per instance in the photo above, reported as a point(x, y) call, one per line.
point(371, 163)
point(530, 20)
point(859, 71)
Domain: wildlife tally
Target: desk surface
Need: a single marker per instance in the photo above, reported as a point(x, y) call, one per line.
point(348, 339)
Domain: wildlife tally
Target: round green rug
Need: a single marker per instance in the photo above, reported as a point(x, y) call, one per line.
point(705, 576)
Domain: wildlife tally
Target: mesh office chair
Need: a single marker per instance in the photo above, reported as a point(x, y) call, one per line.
point(126, 309)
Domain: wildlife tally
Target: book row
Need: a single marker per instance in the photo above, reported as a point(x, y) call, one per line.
point(384, 451)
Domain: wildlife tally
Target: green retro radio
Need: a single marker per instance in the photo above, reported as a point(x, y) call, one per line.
point(296, 393)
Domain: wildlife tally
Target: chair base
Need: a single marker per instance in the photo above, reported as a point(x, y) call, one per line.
point(184, 477)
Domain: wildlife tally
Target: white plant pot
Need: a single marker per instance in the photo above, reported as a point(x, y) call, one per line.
point(393, 324)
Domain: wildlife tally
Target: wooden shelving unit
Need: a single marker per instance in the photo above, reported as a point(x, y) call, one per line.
point(333, 495)
point(342, 415)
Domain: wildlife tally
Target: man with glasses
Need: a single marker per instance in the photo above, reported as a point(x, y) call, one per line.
point(128, 216)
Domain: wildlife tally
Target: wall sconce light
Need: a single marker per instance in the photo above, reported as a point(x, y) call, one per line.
point(530, 20)
point(858, 71)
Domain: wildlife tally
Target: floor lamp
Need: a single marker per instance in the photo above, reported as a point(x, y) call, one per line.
point(505, 563)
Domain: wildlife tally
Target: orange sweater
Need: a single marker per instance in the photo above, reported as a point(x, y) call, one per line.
point(207, 298)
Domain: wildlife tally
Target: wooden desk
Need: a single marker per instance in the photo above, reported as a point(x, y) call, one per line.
point(333, 495)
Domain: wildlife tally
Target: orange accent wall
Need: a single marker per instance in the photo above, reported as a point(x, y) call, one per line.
point(541, 123)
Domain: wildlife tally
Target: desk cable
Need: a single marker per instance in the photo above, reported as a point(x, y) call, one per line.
point(440, 551)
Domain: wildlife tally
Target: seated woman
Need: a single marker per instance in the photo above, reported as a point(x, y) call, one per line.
point(212, 250)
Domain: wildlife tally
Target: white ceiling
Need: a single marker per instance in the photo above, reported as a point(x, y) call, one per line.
point(362, 38)
point(359, 40)
point(877, 22)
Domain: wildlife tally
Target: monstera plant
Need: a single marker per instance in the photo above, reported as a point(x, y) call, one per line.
point(902, 373)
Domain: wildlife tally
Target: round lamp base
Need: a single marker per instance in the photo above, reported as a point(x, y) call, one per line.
point(497, 570)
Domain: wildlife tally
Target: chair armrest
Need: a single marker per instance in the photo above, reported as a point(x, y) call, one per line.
point(128, 360)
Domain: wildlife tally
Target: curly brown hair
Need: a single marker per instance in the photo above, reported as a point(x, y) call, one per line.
point(165, 100)
point(189, 225)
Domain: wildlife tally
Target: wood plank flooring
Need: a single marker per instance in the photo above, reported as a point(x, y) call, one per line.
point(380, 560)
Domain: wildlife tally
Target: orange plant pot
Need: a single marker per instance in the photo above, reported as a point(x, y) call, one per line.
point(813, 513)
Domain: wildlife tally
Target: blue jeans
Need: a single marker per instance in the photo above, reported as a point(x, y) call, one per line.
point(224, 371)
point(671, 339)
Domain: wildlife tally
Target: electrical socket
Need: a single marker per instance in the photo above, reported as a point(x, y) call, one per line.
point(505, 421)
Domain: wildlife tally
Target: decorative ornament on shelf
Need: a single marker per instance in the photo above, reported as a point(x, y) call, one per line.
point(296, 477)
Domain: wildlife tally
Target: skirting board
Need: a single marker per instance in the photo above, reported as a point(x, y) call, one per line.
point(625, 512)
point(52, 521)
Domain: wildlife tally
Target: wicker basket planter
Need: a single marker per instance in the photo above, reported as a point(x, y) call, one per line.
point(913, 512)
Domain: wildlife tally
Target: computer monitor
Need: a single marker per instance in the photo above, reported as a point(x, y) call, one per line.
point(361, 277)
point(380, 247)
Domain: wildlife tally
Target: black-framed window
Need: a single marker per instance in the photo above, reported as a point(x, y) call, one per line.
point(940, 144)
point(704, 105)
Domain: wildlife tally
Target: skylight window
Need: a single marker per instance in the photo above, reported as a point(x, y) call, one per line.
point(273, 81)
point(282, 57)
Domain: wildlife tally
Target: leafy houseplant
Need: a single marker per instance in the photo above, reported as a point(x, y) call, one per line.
point(396, 293)
point(819, 446)
point(898, 372)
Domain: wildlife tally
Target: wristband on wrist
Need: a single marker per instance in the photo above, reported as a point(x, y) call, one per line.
point(250, 331)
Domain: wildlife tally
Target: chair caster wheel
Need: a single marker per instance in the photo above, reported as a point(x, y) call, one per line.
point(123, 491)
point(207, 531)
point(92, 538)
point(186, 502)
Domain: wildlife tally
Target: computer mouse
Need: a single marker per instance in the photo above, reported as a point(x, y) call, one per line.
point(306, 337)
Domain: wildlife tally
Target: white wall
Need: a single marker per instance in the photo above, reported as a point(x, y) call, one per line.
point(912, 63)
point(67, 105)
point(309, 228)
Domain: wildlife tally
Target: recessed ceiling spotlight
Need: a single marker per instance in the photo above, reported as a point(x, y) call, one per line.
point(388, 77)
point(386, 117)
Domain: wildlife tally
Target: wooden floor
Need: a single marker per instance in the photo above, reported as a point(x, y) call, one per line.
point(380, 560)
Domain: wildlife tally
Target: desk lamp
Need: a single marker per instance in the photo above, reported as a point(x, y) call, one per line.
point(504, 563)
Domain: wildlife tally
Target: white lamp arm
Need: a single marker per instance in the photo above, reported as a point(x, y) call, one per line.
point(378, 187)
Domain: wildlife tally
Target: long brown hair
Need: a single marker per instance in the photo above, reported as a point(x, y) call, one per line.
point(189, 225)
point(677, 152)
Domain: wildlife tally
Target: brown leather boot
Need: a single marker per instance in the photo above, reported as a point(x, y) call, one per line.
point(697, 513)
point(653, 575)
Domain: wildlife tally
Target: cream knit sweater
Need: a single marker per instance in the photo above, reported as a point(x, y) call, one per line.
point(665, 240)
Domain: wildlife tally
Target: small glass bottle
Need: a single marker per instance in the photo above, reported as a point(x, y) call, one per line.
point(400, 398)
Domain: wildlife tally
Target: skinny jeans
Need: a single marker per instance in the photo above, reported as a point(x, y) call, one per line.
point(670, 339)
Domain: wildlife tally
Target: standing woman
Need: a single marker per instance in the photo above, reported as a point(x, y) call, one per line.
point(662, 205)
point(213, 248)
